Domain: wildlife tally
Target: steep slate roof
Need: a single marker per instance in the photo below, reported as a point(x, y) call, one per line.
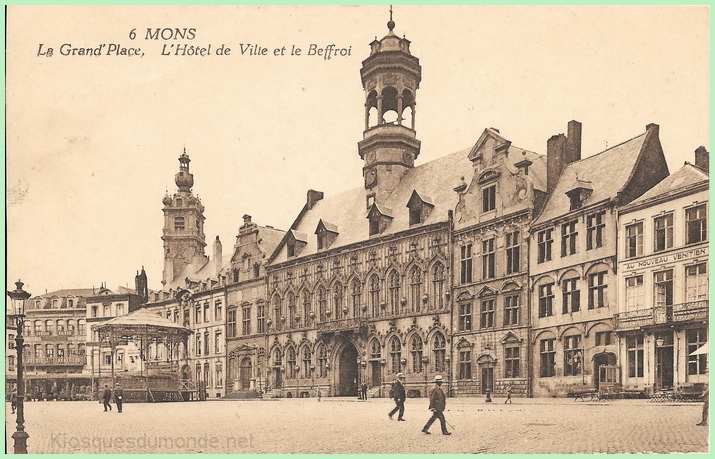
point(685, 176)
point(84, 292)
point(348, 210)
point(608, 173)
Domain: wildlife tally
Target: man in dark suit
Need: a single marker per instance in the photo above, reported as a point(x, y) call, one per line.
point(399, 396)
point(437, 404)
point(118, 397)
point(107, 397)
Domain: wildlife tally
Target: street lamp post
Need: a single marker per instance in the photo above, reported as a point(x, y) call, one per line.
point(18, 298)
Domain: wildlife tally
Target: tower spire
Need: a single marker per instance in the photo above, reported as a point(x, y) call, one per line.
point(390, 23)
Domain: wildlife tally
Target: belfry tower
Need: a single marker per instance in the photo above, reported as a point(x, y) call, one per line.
point(183, 237)
point(390, 77)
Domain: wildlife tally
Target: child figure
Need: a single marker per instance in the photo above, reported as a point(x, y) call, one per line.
point(508, 394)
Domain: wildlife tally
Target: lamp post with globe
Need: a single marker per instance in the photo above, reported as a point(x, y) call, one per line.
point(18, 298)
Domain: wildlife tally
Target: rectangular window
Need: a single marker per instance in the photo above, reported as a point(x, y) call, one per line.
point(487, 314)
point(488, 259)
point(696, 224)
point(513, 254)
point(663, 288)
point(11, 341)
point(415, 215)
point(511, 361)
point(571, 296)
point(697, 364)
point(546, 300)
point(545, 241)
point(218, 311)
point(511, 310)
point(547, 356)
point(568, 238)
point(217, 342)
point(597, 290)
point(634, 240)
point(696, 282)
point(465, 364)
point(261, 319)
point(634, 293)
point(663, 232)
point(603, 338)
point(197, 316)
point(374, 226)
point(246, 320)
point(231, 323)
point(573, 355)
point(489, 198)
point(465, 316)
point(179, 223)
point(466, 263)
point(634, 345)
point(595, 230)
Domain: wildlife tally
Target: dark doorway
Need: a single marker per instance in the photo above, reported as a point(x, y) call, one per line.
point(664, 360)
point(487, 379)
point(245, 372)
point(375, 373)
point(607, 375)
point(348, 371)
point(277, 380)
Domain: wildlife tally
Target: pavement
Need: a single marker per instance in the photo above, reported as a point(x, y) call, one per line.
point(342, 425)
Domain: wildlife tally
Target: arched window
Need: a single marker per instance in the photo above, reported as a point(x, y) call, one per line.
point(415, 288)
point(338, 300)
point(393, 297)
point(291, 310)
point(437, 286)
point(290, 363)
point(322, 360)
point(439, 352)
point(395, 354)
point(277, 357)
point(306, 307)
point(416, 352)
point(321, 304)
point(60, 327)
point(375, 349)
point(49, 327)
point(356, 288)
point(307, 362)
point(375, 295)
point(71, 327)
point(277, 310)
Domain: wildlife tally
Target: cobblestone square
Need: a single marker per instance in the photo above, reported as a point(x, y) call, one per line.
point(341, 425)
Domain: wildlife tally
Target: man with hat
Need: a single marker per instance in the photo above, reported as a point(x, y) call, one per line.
point(118, 397)
point(437, 404)
point(398, 393)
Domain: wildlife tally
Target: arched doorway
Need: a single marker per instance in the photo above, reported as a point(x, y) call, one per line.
point(604, 369)
point(486, 372)
point(347, 370)
point(245, 373)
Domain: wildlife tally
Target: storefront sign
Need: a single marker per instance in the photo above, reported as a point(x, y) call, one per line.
point(669, 258)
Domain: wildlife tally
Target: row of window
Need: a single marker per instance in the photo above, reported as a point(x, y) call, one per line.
point(595, 237)
point(205, 376)
point(107, 310)
point(512, 362)
point(202, 313)
point(340, 302)
point(246, 328)
point(202, 344)
point(180, 223)
point(696, 287)
point(59, 351)
point(487, 313)
point(696, 365)
point(571, 294)
point(695, 231)
point(59, 327)
point(56, 303)
point(488, 258)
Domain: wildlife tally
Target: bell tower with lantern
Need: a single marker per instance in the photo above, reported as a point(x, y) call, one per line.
point(390, 77)
point(184, 239)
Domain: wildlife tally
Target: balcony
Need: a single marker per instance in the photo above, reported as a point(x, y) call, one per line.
point(74, 360)
point(662, 315)
point(352, 324)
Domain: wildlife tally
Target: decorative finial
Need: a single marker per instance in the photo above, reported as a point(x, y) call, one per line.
point(391, 23)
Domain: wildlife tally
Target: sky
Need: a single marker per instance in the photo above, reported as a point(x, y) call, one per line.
point(93, 141)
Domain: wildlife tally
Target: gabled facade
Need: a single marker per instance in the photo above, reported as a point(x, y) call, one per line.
point(490, 256)
point(573, 257)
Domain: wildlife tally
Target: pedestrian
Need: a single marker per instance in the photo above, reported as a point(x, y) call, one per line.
point(508, 394)
point(118, 397)
point(398, 394)
point(364, 391)
point(319, 394)
point(437, 404)
point(706, 400)
point(13, 400)
point(107, 397)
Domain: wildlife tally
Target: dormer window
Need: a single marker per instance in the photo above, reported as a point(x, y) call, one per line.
point(379, 217)
point(578, 193)
point(489, 198)
point(420, 207)
point(326, 233)
point(295, 243)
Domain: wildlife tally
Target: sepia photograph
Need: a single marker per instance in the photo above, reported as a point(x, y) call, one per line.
point(383, 229)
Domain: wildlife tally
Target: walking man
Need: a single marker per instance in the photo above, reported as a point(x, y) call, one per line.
point(508, 394)
point(107, 397)
point(118, 397)
point(398, 393)
point(706, 400)
point(364, 391)
point(437, 404)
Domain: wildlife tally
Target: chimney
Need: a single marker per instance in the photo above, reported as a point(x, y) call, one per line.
point(652, 126)
point(218, 258)
point(313, 197)
point(573, 142)
point(555, 152)
point(702, 159)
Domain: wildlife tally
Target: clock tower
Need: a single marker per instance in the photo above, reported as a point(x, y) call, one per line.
point(183, 237)
point(390, 77)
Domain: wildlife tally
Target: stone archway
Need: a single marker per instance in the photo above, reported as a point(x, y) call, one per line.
point(347, 370)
